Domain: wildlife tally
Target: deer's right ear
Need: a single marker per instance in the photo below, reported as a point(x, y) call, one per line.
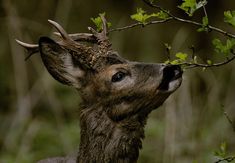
point(59, 63)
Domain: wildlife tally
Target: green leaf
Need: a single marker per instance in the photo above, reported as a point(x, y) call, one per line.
point(161, 15)
point(205, 24)
point(181, 56)
point(229, 17)
point(167, 62)
point(142, 17)
point(195, 59)
point(223, 147)
point(224, 48)
point(98, 22)
point(205, 21)
point(175, 62)
point(190, 6)
point(209, 62)
point(222, 152)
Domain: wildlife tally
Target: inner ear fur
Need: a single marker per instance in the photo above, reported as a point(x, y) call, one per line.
point(60, 63)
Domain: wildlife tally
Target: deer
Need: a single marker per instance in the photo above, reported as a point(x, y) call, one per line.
point(117, 94)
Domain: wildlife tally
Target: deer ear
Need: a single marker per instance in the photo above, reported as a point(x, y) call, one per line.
point(59, 63)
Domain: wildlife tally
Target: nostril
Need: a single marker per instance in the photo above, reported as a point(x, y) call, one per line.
point(178, 71)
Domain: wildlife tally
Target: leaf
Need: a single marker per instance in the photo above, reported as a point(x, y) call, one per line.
point(161, 15)
point(205, 24)
point(190, 6)
point(209, 62)
point(98, 22)
point(229, 17)
point(224, 48)
point(223, 147)
point(167, 62)
point(181, 56)
point(175, 62)
point(195, 59)
point(142, 17)
point(222, 150)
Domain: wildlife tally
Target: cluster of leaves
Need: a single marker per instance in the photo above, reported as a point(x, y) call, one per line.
point(229, 17)
point(179, 59)
point(141, 16)
point(226, 48)
point(190, 6)
point(222, 155)
point(205, 23)
point(222, 151)
point(98, 22)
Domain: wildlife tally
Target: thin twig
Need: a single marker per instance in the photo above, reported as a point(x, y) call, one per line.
point(228, 159)
point(193, 65)
point(229, 119)
point(205, 12)
point(151, 4)
point(140, 24)
point(211, 28)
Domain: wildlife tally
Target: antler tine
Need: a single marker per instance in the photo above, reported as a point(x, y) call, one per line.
point(86, 37)
point(60, 29)
point(26, 45)
point(31, 48)
point(93, 31)
point(104, 25)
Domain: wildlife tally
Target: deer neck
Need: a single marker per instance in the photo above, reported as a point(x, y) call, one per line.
point(103, 140)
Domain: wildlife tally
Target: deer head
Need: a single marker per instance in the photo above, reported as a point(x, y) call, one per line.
point(117, 94)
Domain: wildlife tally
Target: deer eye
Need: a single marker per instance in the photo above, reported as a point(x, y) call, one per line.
point(118, 76)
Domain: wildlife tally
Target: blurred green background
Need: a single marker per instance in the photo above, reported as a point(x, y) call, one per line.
point(39, 116)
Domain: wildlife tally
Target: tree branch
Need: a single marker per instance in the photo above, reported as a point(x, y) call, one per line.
point(227, 159)
point(194, 65)
point(140, 24)
point(173, 17)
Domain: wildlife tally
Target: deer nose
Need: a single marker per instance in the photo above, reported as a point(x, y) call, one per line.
point(171, 72)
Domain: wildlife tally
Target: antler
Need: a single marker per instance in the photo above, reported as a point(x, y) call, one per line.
point(83, 37)
point(85, 54)
point(31, 48)
point(102, 38)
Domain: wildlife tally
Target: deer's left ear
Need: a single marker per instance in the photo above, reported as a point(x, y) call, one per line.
point(59, 63)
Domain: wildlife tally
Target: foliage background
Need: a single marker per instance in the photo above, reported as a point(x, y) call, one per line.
point(39, 116)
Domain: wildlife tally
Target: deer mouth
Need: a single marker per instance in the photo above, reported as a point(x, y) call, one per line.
point(172, 77)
